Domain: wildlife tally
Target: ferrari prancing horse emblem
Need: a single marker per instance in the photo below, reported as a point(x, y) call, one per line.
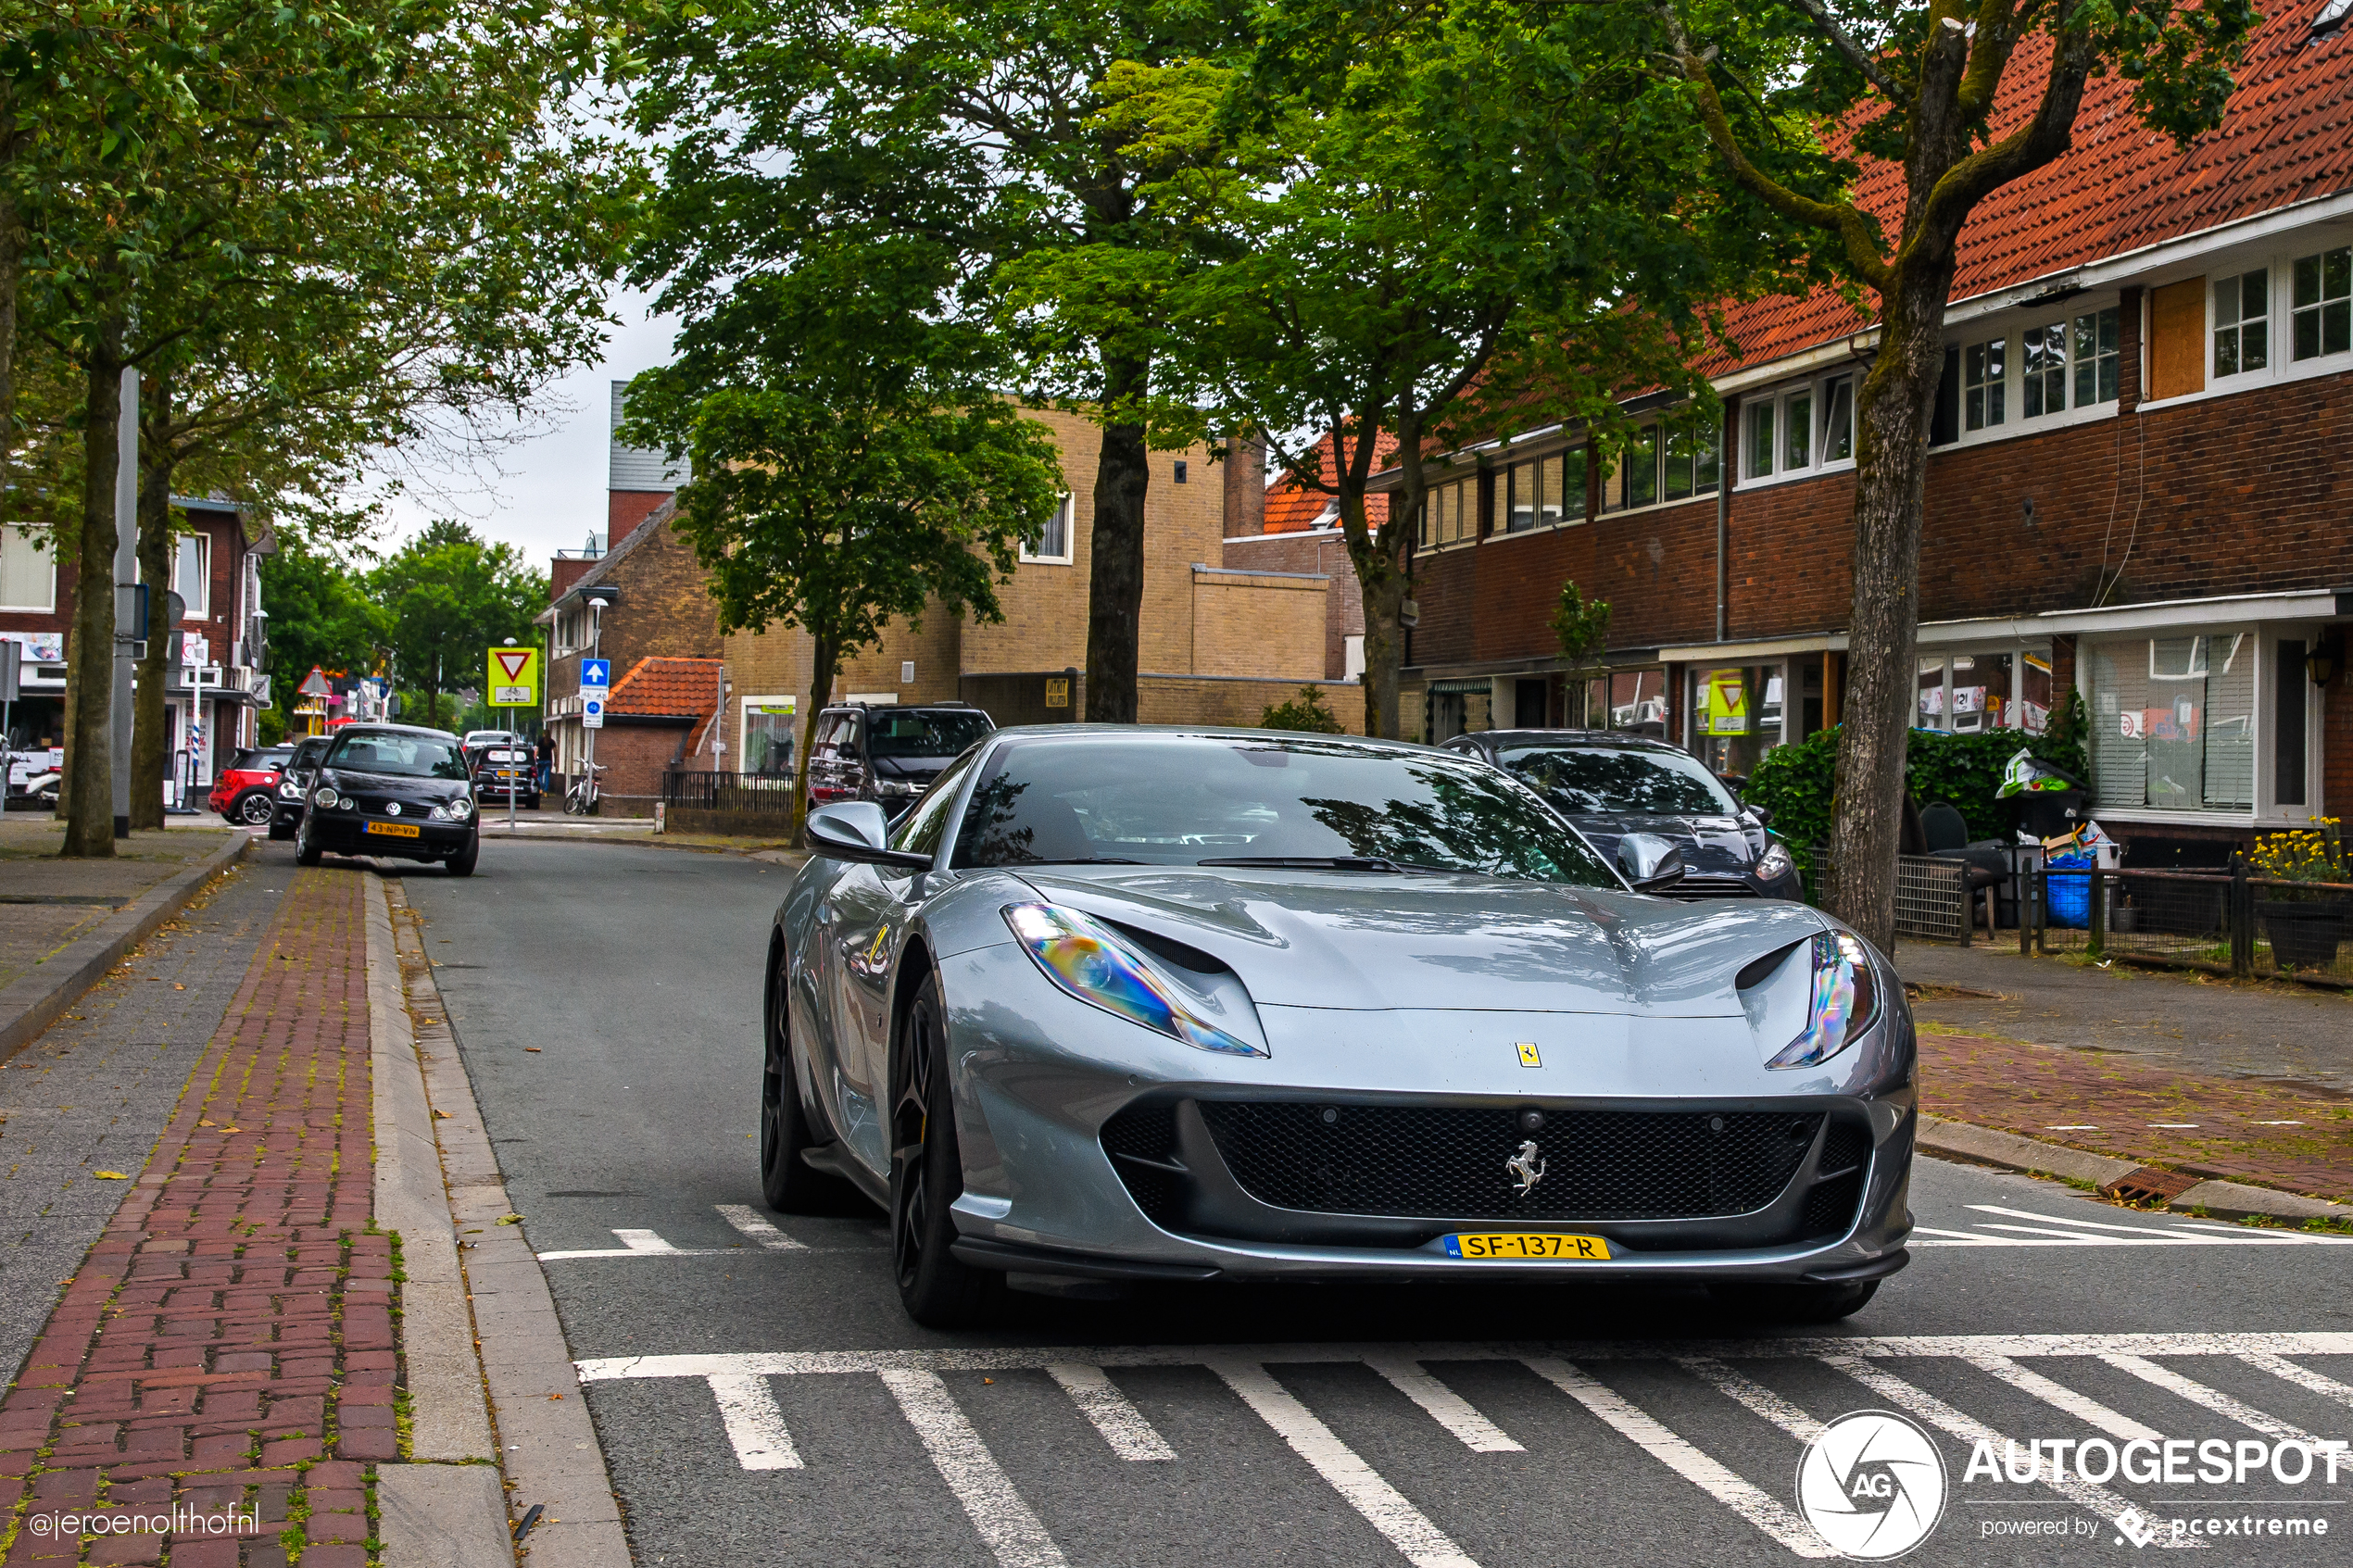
point(1526, 1167)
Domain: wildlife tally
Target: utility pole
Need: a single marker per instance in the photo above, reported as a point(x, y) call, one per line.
point(126, 597)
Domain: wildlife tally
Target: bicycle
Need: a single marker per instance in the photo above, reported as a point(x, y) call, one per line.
point(580, 796)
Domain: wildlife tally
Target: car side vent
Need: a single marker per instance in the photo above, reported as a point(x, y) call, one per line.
point(1756, 970)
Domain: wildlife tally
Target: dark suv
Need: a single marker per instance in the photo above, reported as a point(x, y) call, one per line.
point(888, 755)
point(1609, 784)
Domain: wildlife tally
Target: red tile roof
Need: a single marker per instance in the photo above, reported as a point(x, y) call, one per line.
point(2287, 137)
point(1295, 508)
point(676, 687)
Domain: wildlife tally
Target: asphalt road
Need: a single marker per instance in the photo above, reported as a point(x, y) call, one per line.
point(762, 1400)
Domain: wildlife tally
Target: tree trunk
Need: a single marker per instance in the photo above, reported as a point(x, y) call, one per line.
point(90, 809)
point(150, 742)
point(11, 271)
point(824, 655)
point(1116, 573)
point(1897, 399)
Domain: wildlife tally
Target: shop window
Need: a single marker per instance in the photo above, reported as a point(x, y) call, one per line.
point(2172, 722)
point(2242, 322)
point(1985, 385)
point(1737, 712)
point(27, 578)
point(768, 735)
point(2323, 322)
point(1053, 543)
point(1628, 699)
point(2043, 367)
point(1837, 420)
point(2098, 356)
point(1756, 439)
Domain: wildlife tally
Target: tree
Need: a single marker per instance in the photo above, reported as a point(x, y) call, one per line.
point(1797, 97)
point(1582, 630)
point(1419, 225)
point(450, 597)
point(852, 464)
point(321, 614)
point(976, 126)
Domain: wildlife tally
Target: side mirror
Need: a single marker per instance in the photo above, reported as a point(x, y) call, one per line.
point(1649, 863)
point(1762, 814)
point(856, 830)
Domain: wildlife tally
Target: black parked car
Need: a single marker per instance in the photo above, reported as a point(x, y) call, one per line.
point(1610, 784)
point(888, 755)
point(293, 785)
point(393, 790)
point(504, 763)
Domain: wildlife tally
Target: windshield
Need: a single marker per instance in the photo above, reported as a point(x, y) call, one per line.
point(415, 757)
point(921, 734)
point(1665, 784)
point(1186, 800)
point(306, 755)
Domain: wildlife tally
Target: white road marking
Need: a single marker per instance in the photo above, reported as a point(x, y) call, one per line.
point(1383, 1506)
point(2304, 1377)
point(2065, 1230)
point(2210, 1399)
point(1760, 1399)
point(755, 1424)
point(1646, 1431)
point(1447, 1408)
point(2083, 1407)
point(1005, 1523)
point(634, 1244)
point(758, 1229)
point(1100, 1400)
point(1936, 1413)
point(2072, 1220)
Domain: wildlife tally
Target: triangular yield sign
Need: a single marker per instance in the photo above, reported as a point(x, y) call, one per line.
point(512, 660)
point(315, 683)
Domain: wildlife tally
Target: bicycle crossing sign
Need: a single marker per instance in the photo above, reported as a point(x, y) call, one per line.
point(514, 677)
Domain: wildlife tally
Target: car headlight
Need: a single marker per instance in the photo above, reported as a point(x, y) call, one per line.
point(1085, 959)
point(457, 810)
point(1842, 1006)
point(893, 786)
point(289, 789)
point(325, 797)
point(1775, 863)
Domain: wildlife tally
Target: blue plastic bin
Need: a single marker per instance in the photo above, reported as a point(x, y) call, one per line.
point(2069, 898)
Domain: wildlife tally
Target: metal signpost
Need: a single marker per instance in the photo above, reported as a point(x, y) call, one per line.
point(595, 690)
point(514, 683)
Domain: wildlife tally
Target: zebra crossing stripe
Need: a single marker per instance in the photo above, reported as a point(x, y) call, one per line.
point(2304, 1377)
point(755, 1424)
point(1447, 1408)
point(2083, 1407)
point(1383, 1506)
point(2214, 1400)
point(1759, 1399)
point(1936, 1413)
point(758, 1229)
point(1100, 1400)
point(1005, 1523)
point(1646, 1431)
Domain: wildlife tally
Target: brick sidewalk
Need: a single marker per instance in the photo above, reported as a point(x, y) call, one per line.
point(228, 1344)
point(2295, 1137)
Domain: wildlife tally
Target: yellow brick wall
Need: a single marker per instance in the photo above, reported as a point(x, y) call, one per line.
point(1258, 625)
point(1199, 699)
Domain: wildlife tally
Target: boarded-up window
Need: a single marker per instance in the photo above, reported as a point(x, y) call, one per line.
point(2177, 339)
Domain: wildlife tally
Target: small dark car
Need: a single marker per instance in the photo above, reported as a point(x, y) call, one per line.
point(1609, 784)
point(393, 790)
point(293, 785)
point(504, 764)
point(888, 755)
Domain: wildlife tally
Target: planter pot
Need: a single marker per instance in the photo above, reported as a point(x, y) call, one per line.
point(2303, 935)
point(2123, 919)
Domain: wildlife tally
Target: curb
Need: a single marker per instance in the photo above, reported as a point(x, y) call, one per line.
point(647, 840)
point(31, 1002)
point(2011, 1151)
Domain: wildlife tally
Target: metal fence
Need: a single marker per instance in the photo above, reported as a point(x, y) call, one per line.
point(726, 792)
point(1932, 895)
point(2221, 923)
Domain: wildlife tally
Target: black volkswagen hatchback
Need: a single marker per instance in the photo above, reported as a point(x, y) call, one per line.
point(1610, 784)
point(393, 790)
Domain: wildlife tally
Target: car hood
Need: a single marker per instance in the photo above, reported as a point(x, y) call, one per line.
point(1383, 941)
point(1711, 846)
point(393, 786)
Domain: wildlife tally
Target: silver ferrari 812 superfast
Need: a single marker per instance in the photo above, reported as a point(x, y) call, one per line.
point(1116, 1005)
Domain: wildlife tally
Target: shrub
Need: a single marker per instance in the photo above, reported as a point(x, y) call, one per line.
point(1306, 712)
point(1798, 783)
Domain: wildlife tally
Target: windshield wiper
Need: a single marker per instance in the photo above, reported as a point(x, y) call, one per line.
point(1313, 862)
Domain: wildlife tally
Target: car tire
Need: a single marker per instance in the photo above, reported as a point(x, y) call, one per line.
point(789, 1184)
point(253, 809)
point(926, 1177)
point(462, 863)
point(1796, 1303)
point(279, 831)
point(307, 852)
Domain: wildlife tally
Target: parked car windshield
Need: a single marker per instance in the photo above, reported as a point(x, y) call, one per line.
point(416, 756)
point(1613, 778)
point(922, 732)
point(1184, 800)
point(306, 755)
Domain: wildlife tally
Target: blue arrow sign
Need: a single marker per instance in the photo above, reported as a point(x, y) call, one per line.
point(596, 673)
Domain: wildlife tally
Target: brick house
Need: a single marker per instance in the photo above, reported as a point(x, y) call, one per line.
point(658, 718)
point(1294, 527)
point(2137, 489)
point(1219, 640)
point(210, 701)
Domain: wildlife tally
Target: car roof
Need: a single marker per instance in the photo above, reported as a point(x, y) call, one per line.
point(418, 730)
point(1620, 740)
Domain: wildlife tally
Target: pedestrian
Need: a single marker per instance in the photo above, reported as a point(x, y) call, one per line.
point(546, 762)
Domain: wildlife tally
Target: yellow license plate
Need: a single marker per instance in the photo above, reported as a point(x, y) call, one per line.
point(1526, 1244)
point(397, 830)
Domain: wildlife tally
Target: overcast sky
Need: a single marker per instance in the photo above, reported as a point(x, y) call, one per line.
point(550, 487)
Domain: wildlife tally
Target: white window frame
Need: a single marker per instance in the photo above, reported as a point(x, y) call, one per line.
point(742, 726)
point(1818, 392)
point(2279, 254)
point(200, 607)
point(1065, 513)
point(2216, 326)
point(50, 553)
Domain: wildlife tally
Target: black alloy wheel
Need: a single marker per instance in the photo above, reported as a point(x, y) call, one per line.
point(787, 1183)
point(1796, 1303)
point(254, 807)
point(926, 1177)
